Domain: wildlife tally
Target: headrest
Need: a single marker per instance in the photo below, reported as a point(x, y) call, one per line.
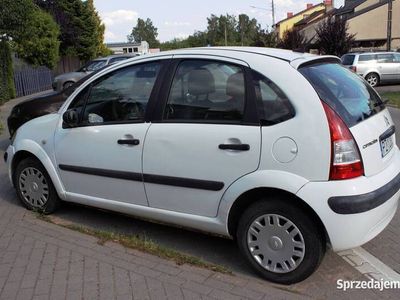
point(235, 86)
point(201, 82)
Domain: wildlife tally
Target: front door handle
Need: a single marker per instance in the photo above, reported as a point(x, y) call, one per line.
point(131, 142)
point(237, 147)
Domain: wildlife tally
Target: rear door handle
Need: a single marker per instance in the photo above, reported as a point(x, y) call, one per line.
point(131, 142)
point(237, 147)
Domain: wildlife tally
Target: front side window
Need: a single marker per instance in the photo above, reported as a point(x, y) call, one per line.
point(273, 105)
point(120, 96)
point(366, 58)
point(397, 57)
point(206, 90)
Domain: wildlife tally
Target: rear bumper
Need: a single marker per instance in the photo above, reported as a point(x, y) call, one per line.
point(355, 211)
point(361, 203)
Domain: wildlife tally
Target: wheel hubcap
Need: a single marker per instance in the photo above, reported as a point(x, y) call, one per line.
point(372, 80)
point(276, 243)
point(34, 187)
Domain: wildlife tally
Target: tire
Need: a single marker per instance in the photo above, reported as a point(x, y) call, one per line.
point(34, 187)
point(67, 84)
point(373, 79)
point(277, 245)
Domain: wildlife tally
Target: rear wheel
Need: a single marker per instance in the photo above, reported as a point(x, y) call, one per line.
point(373, 79)
point(34, 186)
point(280, 241)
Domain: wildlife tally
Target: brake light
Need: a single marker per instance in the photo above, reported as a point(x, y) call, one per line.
point(346, 161)
point(353, 68)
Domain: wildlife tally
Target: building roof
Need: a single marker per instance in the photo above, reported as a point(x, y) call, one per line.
point(349, 6)
point(301, 12)
point(369, 8)
point(310, 17)
point(123, 44)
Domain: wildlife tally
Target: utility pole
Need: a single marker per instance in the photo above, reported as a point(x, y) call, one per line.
point(273, 13)
point(389, 26)
point(226, 37)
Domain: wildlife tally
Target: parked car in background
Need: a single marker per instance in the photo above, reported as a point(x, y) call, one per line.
point(64, 81)
point(286, 152)
point(375, 67)
point(41, 105)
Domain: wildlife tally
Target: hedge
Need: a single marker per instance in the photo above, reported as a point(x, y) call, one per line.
point(7, 89)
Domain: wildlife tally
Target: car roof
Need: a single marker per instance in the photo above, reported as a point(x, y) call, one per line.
point(283, 54)
point(115, 55)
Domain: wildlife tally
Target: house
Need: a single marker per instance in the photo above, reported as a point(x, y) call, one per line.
point(122, 48)
point(292, 19)
point(369, 22)
point(366, 19)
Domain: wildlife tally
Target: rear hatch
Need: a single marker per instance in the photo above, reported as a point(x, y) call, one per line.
point(360, 107)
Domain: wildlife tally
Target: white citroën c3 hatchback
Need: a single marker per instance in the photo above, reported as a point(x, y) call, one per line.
point(285, 152)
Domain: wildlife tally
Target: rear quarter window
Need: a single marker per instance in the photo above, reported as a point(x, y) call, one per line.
point(348, 59)
point(345, 92)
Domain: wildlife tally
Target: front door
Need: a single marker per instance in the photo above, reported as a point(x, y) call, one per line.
point(205, 139)
point(102, 157)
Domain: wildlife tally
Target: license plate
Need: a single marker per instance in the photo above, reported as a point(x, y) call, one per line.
point(386, 145)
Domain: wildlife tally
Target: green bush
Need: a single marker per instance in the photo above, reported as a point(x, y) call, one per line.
point(7, 89)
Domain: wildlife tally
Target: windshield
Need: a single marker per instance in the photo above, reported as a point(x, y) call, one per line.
point(345, 92)
point(93, 65)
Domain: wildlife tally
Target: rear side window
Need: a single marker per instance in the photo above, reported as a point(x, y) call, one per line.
point(385, 58)
point(345, 92)
point(366, 58)
point(206, 90)
point(348, 59)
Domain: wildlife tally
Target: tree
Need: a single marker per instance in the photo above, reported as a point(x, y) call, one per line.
point(265, 38)
point(247, 29)
point(333, 37)
point(7, 89)
point(82, 33)
point(293, 39)
point(144, 31)
point(222, 30)
point(38, 44)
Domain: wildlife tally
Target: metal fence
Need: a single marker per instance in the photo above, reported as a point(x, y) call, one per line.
point(32, 80)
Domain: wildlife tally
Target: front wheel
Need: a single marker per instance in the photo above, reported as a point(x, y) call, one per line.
point(34, 187)
point(280, 241)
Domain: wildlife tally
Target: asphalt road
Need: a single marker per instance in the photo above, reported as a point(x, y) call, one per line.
point(210, 248)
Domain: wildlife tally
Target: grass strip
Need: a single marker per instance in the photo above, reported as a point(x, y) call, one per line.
point(141, 243)
point(393, 97)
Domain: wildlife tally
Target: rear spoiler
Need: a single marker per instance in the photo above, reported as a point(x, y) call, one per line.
point(307, 61)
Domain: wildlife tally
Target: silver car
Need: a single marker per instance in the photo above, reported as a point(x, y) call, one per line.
point(66, 80)
point(375, 67)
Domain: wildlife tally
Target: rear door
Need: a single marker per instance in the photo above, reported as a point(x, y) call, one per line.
point(361, 109)
point(205, 136)
point(387, 66)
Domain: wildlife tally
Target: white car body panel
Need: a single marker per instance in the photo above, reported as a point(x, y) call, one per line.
point(180, 150)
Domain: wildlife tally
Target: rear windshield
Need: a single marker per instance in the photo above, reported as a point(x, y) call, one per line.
point(348, 59)
point(344, 91)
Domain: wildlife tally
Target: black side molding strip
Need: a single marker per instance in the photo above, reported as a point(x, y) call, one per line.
point(361, 203)
point(149, 178)
point(103, 173)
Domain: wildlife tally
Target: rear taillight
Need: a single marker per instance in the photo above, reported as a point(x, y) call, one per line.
point(346, 161)
point(354, 69)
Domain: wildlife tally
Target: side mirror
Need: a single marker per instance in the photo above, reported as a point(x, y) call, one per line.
point(70, 118)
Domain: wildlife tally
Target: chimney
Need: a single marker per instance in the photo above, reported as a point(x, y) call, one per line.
point(309, 5)
point(328, 3)
point(289, 15)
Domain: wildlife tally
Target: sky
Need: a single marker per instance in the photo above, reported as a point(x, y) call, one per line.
point(180, 18)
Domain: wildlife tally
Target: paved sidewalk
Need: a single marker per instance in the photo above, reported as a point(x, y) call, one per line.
point(39, 260)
